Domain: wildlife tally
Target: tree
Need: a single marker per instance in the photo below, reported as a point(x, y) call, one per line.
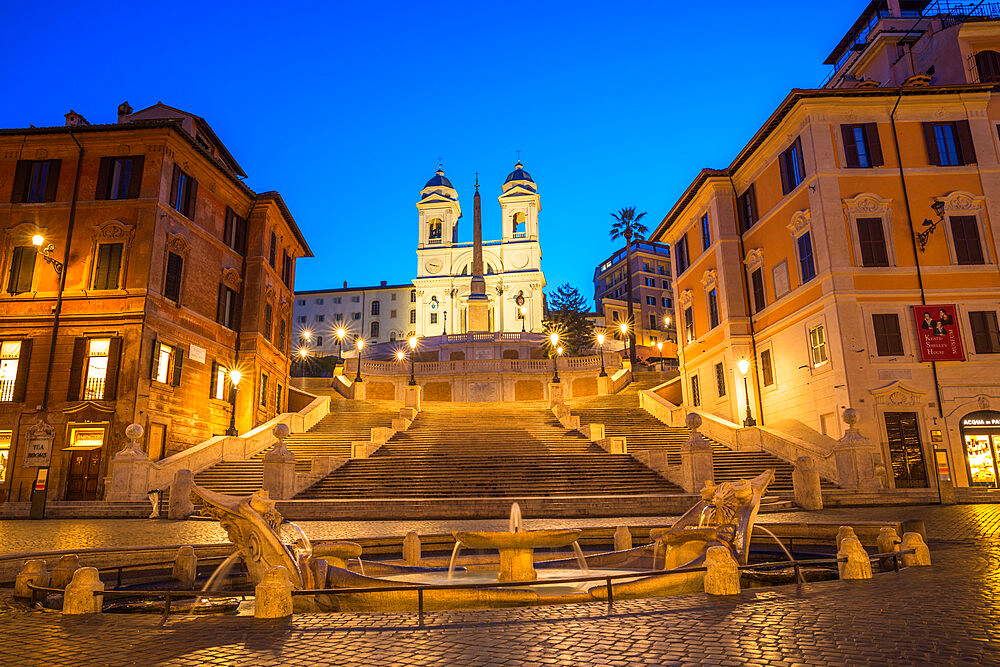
point(627, 226)
point(567, 315)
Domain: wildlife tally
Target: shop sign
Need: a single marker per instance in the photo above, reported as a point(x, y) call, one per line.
point(38, 448)
point(981, 421)
point(938, 335)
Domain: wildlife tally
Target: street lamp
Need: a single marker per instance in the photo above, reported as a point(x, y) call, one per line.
point(554, 339)
point(360, 344)
point(666, 321)
point(234, 378)
point(341, 332)
point(624, 329)
point(744, 366)
point(600, 343)
point(659, 346)
point(413, 352)
point(46, 252)
point(524, 317)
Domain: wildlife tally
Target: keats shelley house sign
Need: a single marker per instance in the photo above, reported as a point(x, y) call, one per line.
point(938, 335)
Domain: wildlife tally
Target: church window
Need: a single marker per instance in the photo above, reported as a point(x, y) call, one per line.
point(434, 318)
point(413, 316)
point(374, 329)
point(518, 225)
point(413, 296)
point(375, 307)
point(435, 231)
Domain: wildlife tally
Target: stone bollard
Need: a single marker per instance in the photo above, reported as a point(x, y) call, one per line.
point(921, 556)
point(79, 596)
point(696, 457)
point(844, 533)
point(33, 572)
point(946, 489)
point(805, 484)
point(887, 540)
point(411, 549)
point(62, 573)
point(180, 506)
point(858, 565)
point(279, 467)
point(623, 538)
point(556, 394)
point(914, 526)
point(723, 574)
point(185, 567)
point(273, 594)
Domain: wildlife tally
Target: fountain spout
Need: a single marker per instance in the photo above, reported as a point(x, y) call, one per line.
point(515, 518)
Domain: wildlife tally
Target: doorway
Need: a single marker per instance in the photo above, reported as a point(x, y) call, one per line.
point(86, 447)
point(981, 441)
point(157, 441)
point(905, 451)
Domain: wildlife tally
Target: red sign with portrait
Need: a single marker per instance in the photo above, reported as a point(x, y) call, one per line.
point(938, 334)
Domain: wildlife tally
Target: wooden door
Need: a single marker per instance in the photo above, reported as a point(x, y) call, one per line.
point(84, 474)
point(905, 451)
point(157, 440)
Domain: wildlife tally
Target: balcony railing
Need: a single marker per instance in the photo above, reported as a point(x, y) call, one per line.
point(93, 389)
point(6, 390)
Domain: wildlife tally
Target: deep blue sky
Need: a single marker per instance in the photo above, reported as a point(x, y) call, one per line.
point(344, 108)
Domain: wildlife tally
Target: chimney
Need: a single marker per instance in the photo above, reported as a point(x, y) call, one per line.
point(73, 119)
point(124, 110)
point(384, 283)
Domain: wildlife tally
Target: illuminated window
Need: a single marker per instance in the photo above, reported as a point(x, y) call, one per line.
point(163, 361)
point(817, 346)
point(220, 376)
point(10, 354)
point(98, 350)
point(5, 440)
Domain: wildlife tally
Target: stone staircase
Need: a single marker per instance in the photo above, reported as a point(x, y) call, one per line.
point(347, 422)
point(622, 416)
point(488, 450)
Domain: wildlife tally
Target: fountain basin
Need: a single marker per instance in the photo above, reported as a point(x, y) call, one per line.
point(517, 548)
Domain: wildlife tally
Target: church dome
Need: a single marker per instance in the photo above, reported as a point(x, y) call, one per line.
point(439, 179)
point(519, 174)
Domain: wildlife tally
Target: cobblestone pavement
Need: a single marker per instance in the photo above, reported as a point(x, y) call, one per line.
point(945, 614)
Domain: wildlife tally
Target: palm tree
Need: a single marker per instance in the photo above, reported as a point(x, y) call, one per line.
point(627, 226)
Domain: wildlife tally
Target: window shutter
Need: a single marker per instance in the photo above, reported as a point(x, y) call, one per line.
point(104, 177)
point(22, 268)
point(874, 145)
point(52, 184)
point(933, 156)
point(191, 200)
point(135, 178)
point(21, 173)
point(241, 235)
point(237, 311)
point(114, 365)
point(173, 187)
point(801, 157)
point(783, 166)
point(114, 265)
point(76, 369)
point(751, 206)
point(21, 381)
point(220, 308)
point(227, 229)
point(101, 266)
point(967, 148)
point(154, 360)
point(213, 382)
point(850, 146)
point(178, 367)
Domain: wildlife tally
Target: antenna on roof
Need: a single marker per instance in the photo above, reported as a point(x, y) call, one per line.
point(518, 155)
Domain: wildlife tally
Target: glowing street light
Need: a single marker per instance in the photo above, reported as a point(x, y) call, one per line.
point(359, 342)
point(600, 344)
point(37, 240)
point(659, 346)
point(413, 351)
point(624, 329)
point(234, 377)
point(744, 366)
point(303, 353)
point(46, 252)
point(666, 321)
point(524, 317)
point(341, 332)
point(307, 335)
point(554, 339)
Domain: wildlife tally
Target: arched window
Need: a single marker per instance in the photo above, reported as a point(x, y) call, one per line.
point(490, 270)
point(988, 66)
point(392, 335)
point(373, 330)
point(413, 316)
point(434, 234)
point(375, 307)
point(413, 296)
point(518, 225)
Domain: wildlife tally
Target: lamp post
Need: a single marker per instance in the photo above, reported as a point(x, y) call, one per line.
point(234, 378)
point(624, 329)
point(600, 343)
point(557, 350)
point(666, 321)
point(341, 332)
point(46, 252)
point(413, 352)
point(360, 344)
point(524, 317)
point(744, 366)
point(659, 346)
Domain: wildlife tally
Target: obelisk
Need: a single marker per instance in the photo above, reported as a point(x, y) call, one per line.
point(478, 304)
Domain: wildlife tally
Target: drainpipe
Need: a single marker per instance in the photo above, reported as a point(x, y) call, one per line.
point(746, 295)
point(913, 238)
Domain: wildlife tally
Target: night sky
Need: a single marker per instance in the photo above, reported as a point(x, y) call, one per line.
point(344, 108)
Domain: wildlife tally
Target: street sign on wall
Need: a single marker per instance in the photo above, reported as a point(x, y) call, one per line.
point(938, 334)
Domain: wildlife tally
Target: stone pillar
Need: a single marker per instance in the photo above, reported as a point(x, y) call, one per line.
point(130, 469)
point(358, 391)
point(805, 482)
point(858, 565)
point(921, 556)
point(722, 576)
point(623, 538)
point(185, 567)
point(79, 596)
point(33, 572)
point(411, 549)
point(62, 573)
point(604, 385)
point(696, 457)
point(556, 393)
point(273, 595)
point(947, 490)
point(856, 457)
point(413, 396)
point(180, 506)
point(279, 467)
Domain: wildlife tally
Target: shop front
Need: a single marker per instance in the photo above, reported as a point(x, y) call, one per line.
point(86, 444)
point(981, 443)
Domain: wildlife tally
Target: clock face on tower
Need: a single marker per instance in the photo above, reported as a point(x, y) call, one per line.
point(434, 265)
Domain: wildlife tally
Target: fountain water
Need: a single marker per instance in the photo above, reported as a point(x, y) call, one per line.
point(454, 557)
point(580, 558)
point(515, 518)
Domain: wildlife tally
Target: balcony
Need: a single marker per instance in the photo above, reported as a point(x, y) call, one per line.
point(6, 390)
point(93, 389)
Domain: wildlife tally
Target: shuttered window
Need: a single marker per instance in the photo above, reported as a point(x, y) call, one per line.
point(107, 267)
point(227, 312)
point(286, 269)
point(862, 148)
point(15, 357)
point(706, 232)
point(172, 280)
point(985, 334)
point(888, 339)
point(234, 232)
point(807, 267)
point(268, 319)
point(22, 268)
point(35, 181)
point(689, 324)
point(263, 390)
point(792, 167)
point(871, 238)
point(95, 368)
point(965, 235)
point(695, 391)
point(757, 288)
point(681, 255)
point(746, 208)
point(720, 380)
point(949, 144)
point(766, 368)
point(988, 66)
point(183, 193)
point(119, 177)
point(713, 309)
point(272, 256)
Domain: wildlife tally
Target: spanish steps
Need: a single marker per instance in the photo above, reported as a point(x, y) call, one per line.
point(621, 415)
